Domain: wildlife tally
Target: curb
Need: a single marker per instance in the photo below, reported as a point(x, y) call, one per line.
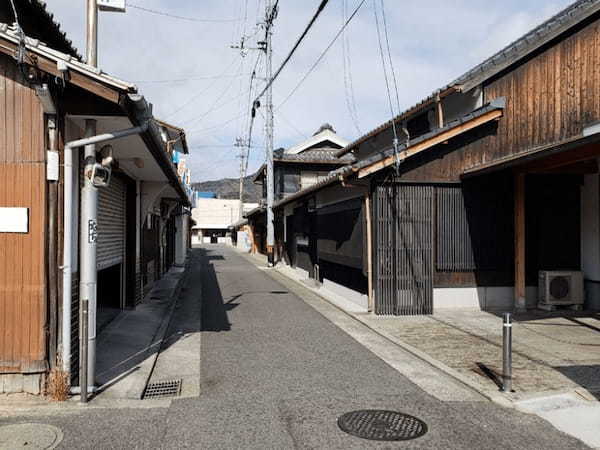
point(159, 336)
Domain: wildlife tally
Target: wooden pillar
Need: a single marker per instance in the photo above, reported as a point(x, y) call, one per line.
point(440, 112)
point(520, 241)
point(369, 250)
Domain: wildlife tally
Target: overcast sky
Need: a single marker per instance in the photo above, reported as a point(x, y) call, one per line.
point(195, 80)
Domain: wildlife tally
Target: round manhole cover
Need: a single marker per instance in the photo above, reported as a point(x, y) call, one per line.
point(29, 435)
point(381, 425)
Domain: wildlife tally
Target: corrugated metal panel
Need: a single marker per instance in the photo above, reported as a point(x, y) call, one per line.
point(454, 249)
point(404, 249)
point(111, 224)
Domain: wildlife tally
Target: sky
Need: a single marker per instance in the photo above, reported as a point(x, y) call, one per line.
point(195, 80)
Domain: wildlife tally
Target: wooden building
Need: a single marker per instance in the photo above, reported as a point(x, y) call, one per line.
point(296, 168)
point(46, 95)
point(495, 180)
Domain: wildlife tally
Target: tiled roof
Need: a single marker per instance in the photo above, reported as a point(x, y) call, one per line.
point(336, 175)
point(533, 40)
point(323, 155)
point(9, 33)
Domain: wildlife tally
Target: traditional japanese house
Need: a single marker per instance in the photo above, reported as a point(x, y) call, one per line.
point(493, 185)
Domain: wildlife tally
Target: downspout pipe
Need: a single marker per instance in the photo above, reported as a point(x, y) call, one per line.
point(69, 152)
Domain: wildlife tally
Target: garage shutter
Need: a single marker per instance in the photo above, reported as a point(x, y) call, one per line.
point(111, 224)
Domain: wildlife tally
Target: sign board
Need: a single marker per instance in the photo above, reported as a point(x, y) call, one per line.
point(14, 220)
point(92, 231)
point(111, 5)
point(52, 169)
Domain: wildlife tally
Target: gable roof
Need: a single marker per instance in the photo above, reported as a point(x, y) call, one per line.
point(326, 134)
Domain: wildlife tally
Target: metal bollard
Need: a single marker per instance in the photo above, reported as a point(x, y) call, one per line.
point(83, 352)
point(507, 353)
point(317, 275)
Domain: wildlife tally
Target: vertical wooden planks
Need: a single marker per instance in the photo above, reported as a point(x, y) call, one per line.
point(22, 255)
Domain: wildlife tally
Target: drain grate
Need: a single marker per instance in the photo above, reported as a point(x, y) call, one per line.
point(381, 425)
point(160, 389)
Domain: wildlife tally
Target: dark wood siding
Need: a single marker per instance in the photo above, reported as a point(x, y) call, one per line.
point(550, 98)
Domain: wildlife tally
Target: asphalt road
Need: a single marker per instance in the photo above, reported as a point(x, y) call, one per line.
point(277, 374)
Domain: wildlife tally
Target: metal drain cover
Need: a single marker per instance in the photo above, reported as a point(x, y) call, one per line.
point(29, 435)
point(169, 388)
point(381, 425)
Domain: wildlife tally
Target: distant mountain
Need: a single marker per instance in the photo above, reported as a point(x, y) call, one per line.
point(229, 188)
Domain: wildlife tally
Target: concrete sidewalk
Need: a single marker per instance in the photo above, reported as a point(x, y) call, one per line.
point(128, 347)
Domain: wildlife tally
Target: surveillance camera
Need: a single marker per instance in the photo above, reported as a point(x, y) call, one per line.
point(106, 155)
point(101, 175)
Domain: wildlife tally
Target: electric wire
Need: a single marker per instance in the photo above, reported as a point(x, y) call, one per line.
point(215, 105)
point(175, 16)
point(387, 84)
point(295, 47)
point(389, 52)
point(322, 55)
point(184, 80)
point(194, 97)
point(347, 73)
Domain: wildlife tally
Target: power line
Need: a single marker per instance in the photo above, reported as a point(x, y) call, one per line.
point(389, 52)
point(183, 80)
point(174, 16)
point(199, 93)
point(296, 45)
point(387, 84)
point(347, 72)
point(322, 55)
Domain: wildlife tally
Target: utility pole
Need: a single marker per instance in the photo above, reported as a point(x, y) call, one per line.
point(239, 142)
point(270, 16)
point(89, 224)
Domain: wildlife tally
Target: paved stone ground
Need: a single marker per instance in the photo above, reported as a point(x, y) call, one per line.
point(276, 374)
point(550, 352)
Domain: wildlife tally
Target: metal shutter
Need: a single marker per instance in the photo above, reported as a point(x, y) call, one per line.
point(111, 224)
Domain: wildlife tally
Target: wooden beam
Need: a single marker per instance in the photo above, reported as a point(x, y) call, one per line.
point(566, 158)
point(520, 241)
point(579, 168)
point(428, 143)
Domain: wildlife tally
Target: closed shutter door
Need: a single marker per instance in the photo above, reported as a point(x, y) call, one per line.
point(111, 224)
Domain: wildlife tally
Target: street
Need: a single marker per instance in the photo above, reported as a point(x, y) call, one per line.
point(276, 374)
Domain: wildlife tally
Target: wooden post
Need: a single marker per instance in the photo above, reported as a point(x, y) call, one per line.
point(520, 241)
point(369, 250)
point(440, 112)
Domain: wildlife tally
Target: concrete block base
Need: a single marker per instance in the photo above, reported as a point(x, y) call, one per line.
point(499, 298)
point(17, 383)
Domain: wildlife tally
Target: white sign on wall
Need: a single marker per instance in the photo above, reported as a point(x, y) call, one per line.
point(111, 5)
point(14, 220)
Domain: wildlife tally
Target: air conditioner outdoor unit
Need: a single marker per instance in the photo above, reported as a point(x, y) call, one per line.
point(560, 287)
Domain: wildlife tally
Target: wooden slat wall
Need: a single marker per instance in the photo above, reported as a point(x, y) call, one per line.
point(22, 256)
point(550, 98)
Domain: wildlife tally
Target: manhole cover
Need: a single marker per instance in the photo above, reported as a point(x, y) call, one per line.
point(170, 388)
point(29, 435)
point(381, 425)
